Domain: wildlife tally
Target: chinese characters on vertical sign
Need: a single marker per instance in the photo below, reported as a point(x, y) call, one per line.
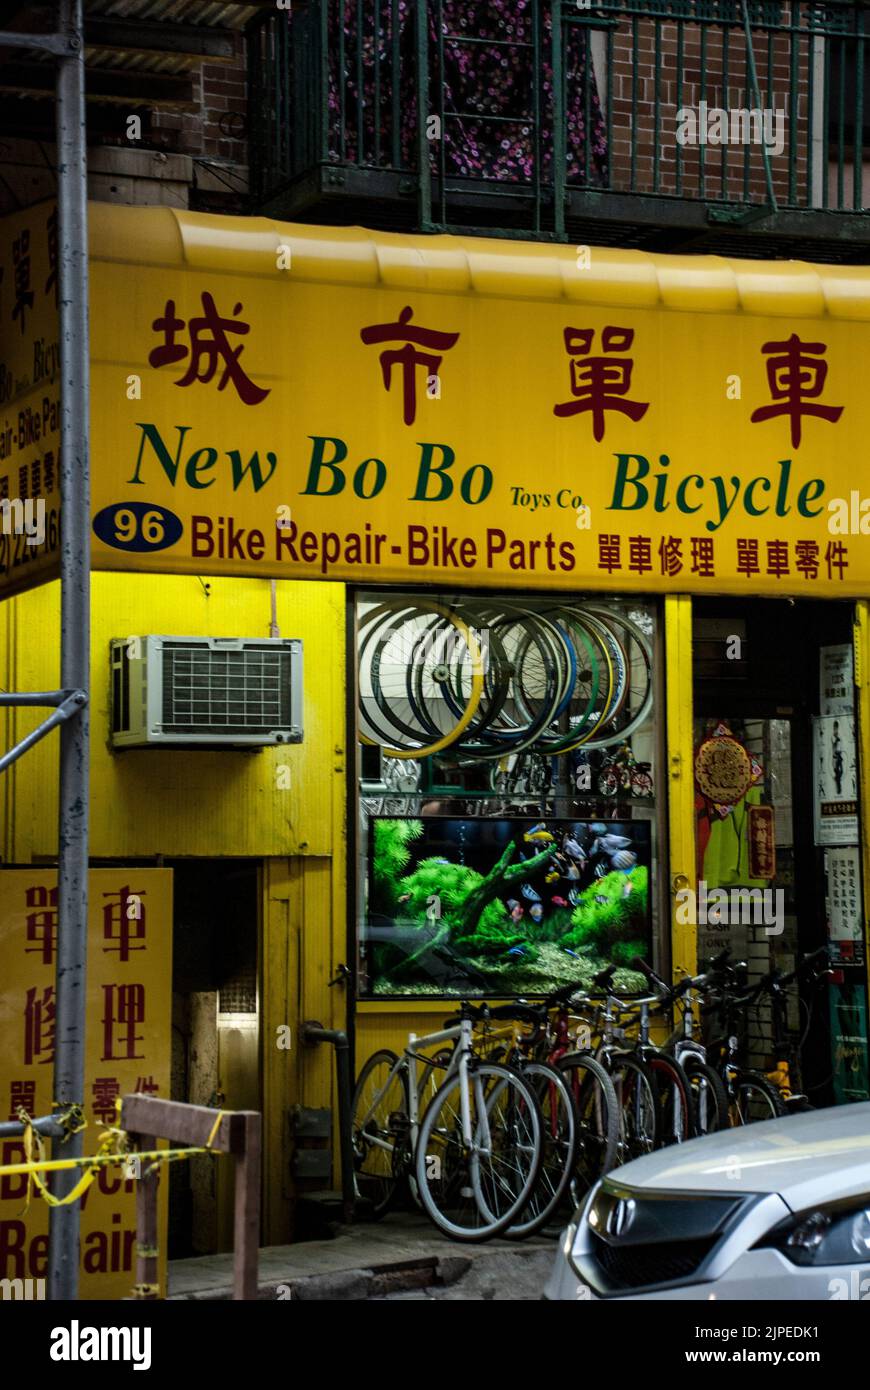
point(128, 1043)
point(29, 397)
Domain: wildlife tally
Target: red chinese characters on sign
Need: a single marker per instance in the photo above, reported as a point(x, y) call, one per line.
point(409, 358)
point(51, 282)
point(105, 1091)
point(123, 1011)
point(124, 922)
point(41, 925)
point(599, 384)
point(671, 555)
point(39, 1025)
point(21, 266)
point(208, 348)
point(796, 378)
point(22, 1093)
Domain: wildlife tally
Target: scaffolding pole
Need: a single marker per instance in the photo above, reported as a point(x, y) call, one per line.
point(72, 868)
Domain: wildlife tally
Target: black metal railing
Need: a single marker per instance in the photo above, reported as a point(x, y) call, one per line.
point(534, 112)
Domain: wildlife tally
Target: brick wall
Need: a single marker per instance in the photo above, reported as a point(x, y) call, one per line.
point(711, 67)
point(214, 131)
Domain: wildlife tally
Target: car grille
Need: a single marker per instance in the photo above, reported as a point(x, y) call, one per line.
point(635, 1266)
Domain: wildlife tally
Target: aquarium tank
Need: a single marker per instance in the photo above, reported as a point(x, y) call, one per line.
point(501, 907)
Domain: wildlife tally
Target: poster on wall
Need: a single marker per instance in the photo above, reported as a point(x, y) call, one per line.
point(848, 1006)
point(835, 780)
point(845, 927)
point(127, 1049)
point(836, 679)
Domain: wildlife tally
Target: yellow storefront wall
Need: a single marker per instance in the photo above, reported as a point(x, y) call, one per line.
point(177, 803)
point(203, 469)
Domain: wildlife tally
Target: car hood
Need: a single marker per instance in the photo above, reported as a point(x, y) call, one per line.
point(822, 1155)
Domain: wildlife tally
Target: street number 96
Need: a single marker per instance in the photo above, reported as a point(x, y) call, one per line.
point(137, 526)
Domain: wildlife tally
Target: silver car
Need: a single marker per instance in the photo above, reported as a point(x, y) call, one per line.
point(777, 1210)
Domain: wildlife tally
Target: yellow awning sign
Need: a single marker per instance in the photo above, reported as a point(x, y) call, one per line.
point(293, 401)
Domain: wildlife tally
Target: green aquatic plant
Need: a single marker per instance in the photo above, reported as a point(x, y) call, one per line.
point(391, 856)
point(616, 922)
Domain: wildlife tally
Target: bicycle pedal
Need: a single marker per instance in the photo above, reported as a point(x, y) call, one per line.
point(398, 1123)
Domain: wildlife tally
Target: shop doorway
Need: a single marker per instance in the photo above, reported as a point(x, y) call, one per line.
point(775, 677)
point(215, 1031)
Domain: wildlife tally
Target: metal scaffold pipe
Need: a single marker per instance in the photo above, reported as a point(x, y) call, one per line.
point(72, 898)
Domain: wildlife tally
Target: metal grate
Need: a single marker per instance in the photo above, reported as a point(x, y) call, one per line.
point(238, 995)
point(225, 692)
point(634, 1266)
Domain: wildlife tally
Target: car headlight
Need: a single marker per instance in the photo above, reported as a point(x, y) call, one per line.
point(835, 1235)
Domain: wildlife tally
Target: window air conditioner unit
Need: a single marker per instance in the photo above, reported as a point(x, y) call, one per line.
point(231, 692)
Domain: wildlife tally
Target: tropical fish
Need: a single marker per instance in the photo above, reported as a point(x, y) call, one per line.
point(539, 832)
point(518, 913)
point(536, 911)
point(529, 893)
point(609, 844)
point(626, 888)
point(440, 861)
point(602, 898)
point(553, 877)
point(517, 951)
point(404, 898)
point(512, 903)
point(569, 952)
point(571, 846)
point(573, 897)
point(624, 860)
point(573, 872)
point(559, 902)
point(601, 871)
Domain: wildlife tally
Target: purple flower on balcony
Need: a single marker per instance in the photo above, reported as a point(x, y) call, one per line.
point(465, 80)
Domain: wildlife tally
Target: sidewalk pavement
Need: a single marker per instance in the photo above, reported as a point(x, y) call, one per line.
point(402, 1255)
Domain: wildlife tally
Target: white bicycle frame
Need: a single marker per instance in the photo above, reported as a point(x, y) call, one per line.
point(461, 1033)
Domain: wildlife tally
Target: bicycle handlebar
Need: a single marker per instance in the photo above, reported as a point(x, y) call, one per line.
point(604, 978)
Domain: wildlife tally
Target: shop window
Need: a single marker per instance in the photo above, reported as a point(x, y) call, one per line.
point(778, 836)
point(508, 837)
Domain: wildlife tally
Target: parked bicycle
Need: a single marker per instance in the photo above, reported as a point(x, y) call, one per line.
point(472, 1153)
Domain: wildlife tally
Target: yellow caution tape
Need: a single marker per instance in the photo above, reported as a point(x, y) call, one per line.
point(215, 1127)
point(112, 1148)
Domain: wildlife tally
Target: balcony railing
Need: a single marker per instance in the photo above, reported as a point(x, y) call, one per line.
point(652, 123)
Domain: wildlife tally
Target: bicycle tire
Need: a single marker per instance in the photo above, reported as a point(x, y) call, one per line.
point(597, 1110)
point(676, 1111)
point(378, 1186)
point(449, 1180)
point(560, 1139)
point(709, 1097)
point(638, 716)
point(504, 735)
point(638, 1102)
point(426, 749)
point(750, 1084)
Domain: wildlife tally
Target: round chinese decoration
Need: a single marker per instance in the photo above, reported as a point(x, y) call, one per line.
point(723, 770)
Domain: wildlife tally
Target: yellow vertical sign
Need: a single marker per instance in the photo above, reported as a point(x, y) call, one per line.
point(29, 398)
point(128, 1049)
